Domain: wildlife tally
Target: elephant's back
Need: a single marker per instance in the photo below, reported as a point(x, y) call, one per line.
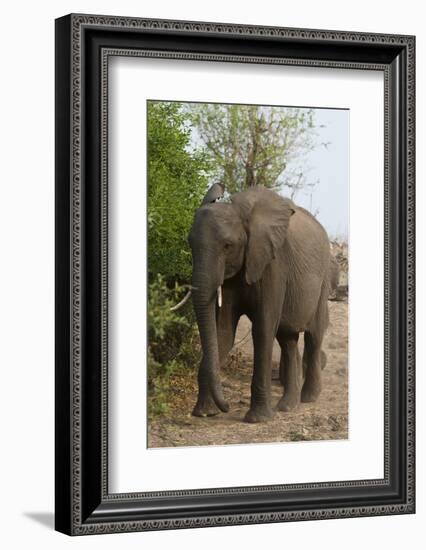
point(304, 219)
point(308, 241)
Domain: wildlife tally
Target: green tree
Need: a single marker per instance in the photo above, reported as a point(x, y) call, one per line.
point(254, 145)
point(177, 181)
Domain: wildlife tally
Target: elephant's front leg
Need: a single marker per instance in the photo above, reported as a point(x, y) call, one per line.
point(263, 340)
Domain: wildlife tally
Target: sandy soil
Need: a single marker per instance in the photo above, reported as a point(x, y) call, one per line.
point(325, 419)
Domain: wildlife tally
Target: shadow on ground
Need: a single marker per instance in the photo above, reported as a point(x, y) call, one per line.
point(47, 519)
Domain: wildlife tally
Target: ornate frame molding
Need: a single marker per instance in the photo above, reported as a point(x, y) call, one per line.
point(73, 48)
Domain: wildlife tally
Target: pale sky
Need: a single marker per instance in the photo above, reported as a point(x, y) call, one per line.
point(330, 166)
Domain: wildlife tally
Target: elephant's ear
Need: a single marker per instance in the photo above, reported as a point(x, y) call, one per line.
point(267, 222)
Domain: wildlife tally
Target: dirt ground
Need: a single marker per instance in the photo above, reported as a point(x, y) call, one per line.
point(325, 419)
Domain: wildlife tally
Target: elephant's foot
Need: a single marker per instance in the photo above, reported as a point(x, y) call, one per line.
point(205, 406)
point(289, 402)
point(261, 413)
point(310, 392)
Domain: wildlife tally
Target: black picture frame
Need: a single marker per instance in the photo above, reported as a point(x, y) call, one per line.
point(83, 504)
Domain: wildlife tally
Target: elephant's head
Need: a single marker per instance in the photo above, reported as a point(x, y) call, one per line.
point(228, 238)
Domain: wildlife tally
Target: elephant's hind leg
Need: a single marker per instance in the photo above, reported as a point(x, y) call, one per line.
point(314, 359)
point(290, 366)
point(305, 362)
point(312, 366)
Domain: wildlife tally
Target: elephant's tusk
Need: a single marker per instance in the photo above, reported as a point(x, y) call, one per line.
point(182, 302)
point(219, 296)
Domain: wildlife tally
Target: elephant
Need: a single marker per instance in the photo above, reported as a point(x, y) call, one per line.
point(262, 256)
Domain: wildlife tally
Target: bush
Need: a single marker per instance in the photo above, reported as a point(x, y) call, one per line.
point(173, 342)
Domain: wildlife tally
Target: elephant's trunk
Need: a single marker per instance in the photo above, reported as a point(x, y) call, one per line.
point(205, 309)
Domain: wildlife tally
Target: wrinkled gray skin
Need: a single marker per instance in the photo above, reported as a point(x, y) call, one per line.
point(272, 259)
